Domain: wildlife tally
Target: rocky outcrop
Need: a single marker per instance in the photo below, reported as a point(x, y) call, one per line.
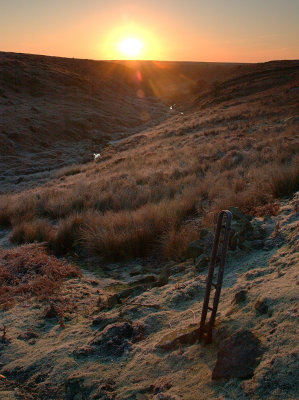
point(245, 233)
point(116, 338)
point(238, 356)
point(201, 246)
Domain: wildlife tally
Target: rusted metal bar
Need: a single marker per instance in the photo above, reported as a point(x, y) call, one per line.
point(206, 329)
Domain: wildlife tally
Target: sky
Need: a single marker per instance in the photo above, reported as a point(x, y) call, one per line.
point(181, 30)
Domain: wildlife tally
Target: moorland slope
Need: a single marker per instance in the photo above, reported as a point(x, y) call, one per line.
point(139, 223)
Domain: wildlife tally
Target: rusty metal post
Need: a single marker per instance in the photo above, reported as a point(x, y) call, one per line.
point(207, 328)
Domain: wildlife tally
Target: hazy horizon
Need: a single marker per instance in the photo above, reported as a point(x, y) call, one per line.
point(151, 60)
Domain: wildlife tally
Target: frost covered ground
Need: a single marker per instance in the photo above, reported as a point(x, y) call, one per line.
point(117, 333)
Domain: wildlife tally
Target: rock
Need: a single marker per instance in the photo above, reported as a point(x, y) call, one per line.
point(112, 301)
point(163, 277)
point(195, 249)
point(113, 341)
point(52, 311)
point(193, 290)
point(185, 335)
point(105, 391)
point(246, 233)
point(201, 262)
point(257, 244)
point(238, 215)
point(27, 335)
point(269, 244)
point(101, 322)
point(155, 322)
point(238, 356)
point(261, 306)
point(202, 245)
point(137, 270)
point(258, 232)
point(74, 388)
point(20, 179)
point(116, 338)
point(240, 296)
point(143, 279)
point(132, 291)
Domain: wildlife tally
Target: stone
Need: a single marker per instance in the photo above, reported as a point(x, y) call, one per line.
point(258, 232)
point(261, 306)
point(239, 215)
point(143, 279)
point(240, 296)
point(201, 262)
point(185, 335)
point(74, 388)
point(52, 311)
point(195, 249)
point(116, 338)
point(112, 301)
point(202, 245)
point(257, 244)
point(163, 276)
point(132, 291)
point(28, 334)
point(238, 356)
point(101, 322)
point(137, 270)
point(113, 341)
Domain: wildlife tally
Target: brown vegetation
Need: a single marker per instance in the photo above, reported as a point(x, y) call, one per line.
point(144, 192)
point(28, 271)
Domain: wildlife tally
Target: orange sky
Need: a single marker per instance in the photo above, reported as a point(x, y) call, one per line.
point(214, 30)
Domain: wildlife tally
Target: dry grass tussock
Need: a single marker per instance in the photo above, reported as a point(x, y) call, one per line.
point(141, 195)
point(28, 271)
point(285, 182)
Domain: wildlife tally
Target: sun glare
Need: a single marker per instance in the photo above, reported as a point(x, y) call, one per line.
point(130, 47)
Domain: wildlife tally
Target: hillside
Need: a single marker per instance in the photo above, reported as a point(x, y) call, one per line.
point(55, 111)
point(103, 263)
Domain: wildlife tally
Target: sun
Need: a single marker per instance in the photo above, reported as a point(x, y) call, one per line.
point(131, 47)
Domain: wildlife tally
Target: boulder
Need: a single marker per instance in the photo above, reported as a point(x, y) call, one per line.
point(202, 245)
point(201, 262)
point(101, 322)
point(238, 356)
point(195, 249)
point(143, 279)
point(74, 388)
point(240, 296)
point(245, 233)
point(112, 301)
point(261, 306)
point(163, 277)
point(116, 338)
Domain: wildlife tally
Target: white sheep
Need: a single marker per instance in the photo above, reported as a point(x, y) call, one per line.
point(96, 156)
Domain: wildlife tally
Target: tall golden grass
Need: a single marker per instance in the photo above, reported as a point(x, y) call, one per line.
point(140, 198)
